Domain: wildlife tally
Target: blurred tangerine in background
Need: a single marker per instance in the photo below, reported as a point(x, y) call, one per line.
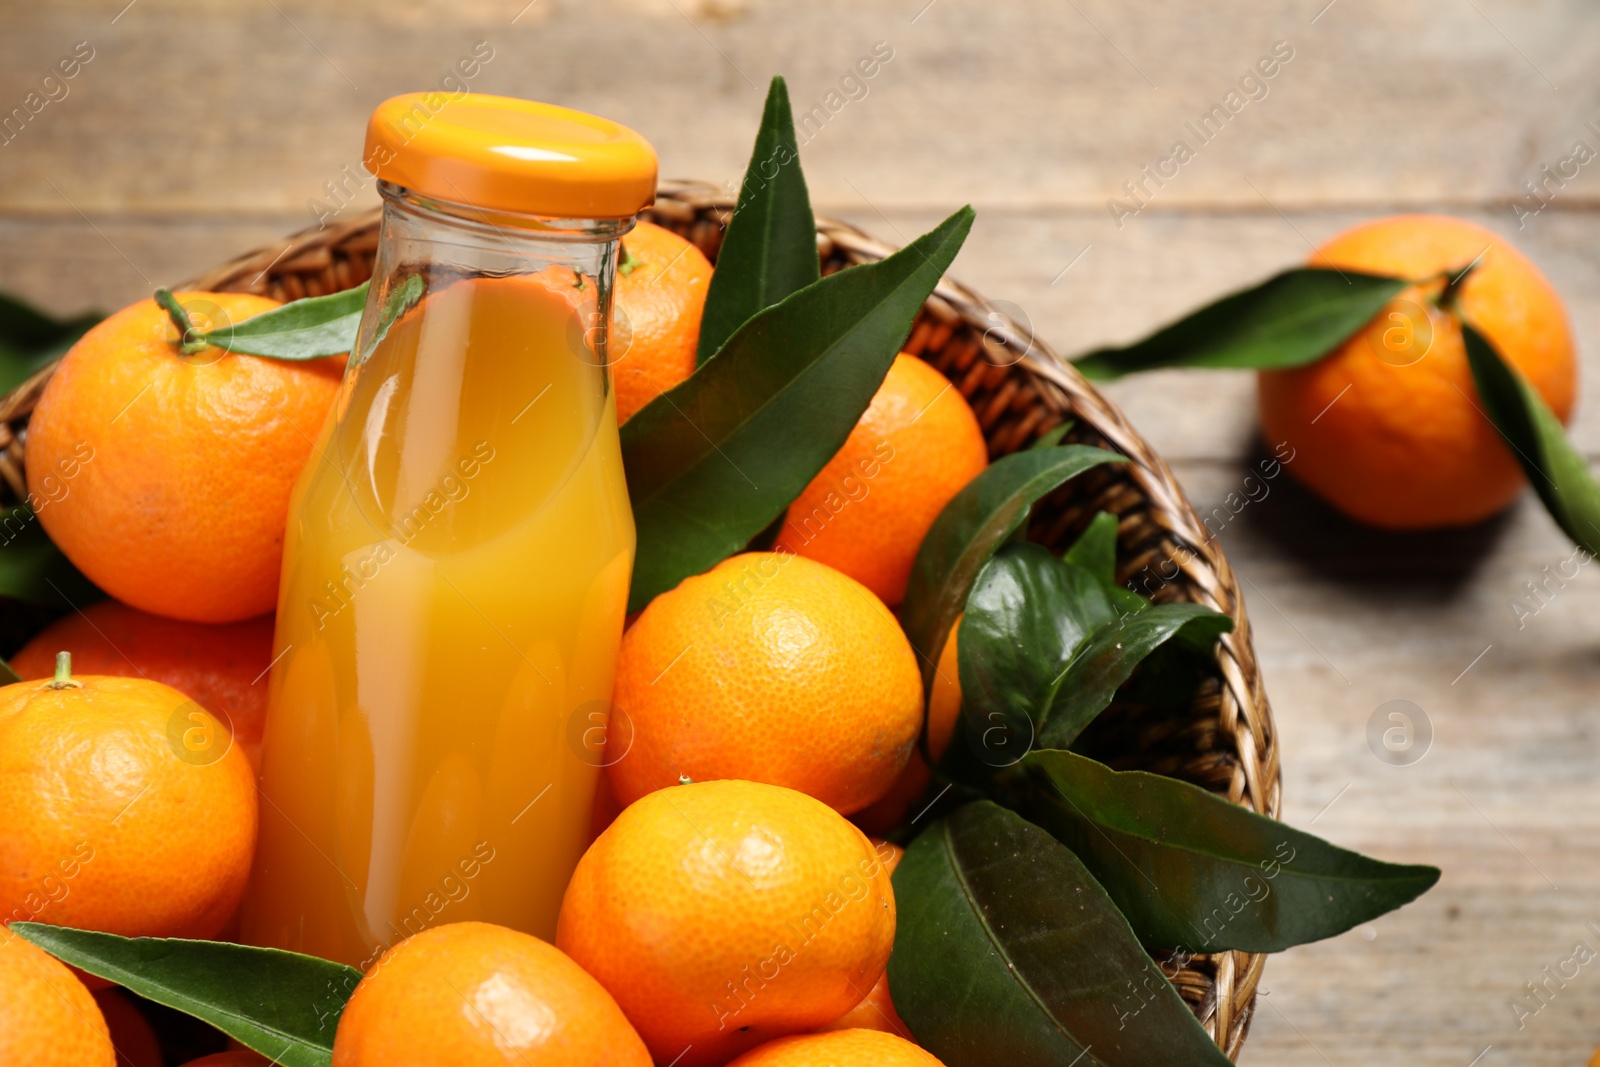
point(1389, 428)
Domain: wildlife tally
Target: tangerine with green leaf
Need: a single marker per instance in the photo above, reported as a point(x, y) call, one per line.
point(164, 474)
point(1389, 427)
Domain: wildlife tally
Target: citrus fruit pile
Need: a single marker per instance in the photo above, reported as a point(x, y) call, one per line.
point(883, 653)
point(731, 904)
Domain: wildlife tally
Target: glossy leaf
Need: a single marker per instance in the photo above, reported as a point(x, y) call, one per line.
point(1107, 658)
point(311, 328)
point(969, 530)
point(1194, 873)
point(30, 339)
point(1096, 550)
point(1016, 638)
point(33, 569)
point(1044, 648)
point(713, 461)
point(1007, 951)
point(1556, 470)
point(281, 1004)
point(1289, 320)
point(770, 248)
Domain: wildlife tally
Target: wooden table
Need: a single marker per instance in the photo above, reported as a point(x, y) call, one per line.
point(199, 129)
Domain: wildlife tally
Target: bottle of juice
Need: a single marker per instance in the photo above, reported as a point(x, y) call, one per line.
point(458, 550)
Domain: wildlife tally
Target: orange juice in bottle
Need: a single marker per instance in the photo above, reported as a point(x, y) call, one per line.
point(458, 553)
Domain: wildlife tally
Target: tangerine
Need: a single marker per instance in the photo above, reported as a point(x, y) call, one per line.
point(221, 666)
point(1389, 427)
point(846, 1048)
point(472, 994)
point(867, 511)
point(124, 807)
point(769, 667)
point(656, 306)
point(165, 477)
point(47, 1017)
point(723, 914)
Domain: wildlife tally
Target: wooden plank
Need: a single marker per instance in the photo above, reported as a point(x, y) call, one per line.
point(191, 106)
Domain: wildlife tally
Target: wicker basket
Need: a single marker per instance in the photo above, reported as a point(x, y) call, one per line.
point(1224, 741)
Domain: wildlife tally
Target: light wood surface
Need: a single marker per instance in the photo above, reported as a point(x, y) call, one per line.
point(201, 129)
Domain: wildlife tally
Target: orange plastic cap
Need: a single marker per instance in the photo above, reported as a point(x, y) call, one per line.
point(504, 154)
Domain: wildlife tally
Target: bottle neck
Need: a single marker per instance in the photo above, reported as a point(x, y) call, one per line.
point(470, 221)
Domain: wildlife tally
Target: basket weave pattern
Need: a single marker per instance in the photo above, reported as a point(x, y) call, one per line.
point(1019, 388)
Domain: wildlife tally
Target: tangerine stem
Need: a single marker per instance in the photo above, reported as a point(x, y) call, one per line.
point(63, 678)
point(189, 339)
point(630, 262)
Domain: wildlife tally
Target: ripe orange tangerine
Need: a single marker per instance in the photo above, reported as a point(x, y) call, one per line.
point(1389, 428)
point(770, 667)
point(221, 666)
point(846, 1048)
point(866, 512)
point(472, 994)
point(722, 914)
point(165, 477)
point(123, 807)
point(659, 298)
point(47, 1017)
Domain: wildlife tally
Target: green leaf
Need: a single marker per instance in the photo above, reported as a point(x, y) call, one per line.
point(1106, 660)
point(311, 328)
point(1096, 551)
point(714, 460)
point(1006, 951)
point(1195, 873)
point(770, 248)
point(1054, 435)
point(969, 530)
point(284, 1005)
point(33, 569)
point(1289, 320)
point(30, 339)
point(1556, 470)
point(1016, 639)
point(1044, 648)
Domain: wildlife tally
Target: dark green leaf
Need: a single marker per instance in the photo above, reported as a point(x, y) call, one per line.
point(1556, 470)
point(770, 249)
point(1289, 320)
point(1007, 951)
point(1195, 873)
point(29, 339)
point(1016, 638)
point(311, 328)
point(284, 1005)
point(1044, 648)
point(1106, 660)
point(714, 460)
point(32, 568)
point(1096, 551)
point(971, 527)
point(1053, 436)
